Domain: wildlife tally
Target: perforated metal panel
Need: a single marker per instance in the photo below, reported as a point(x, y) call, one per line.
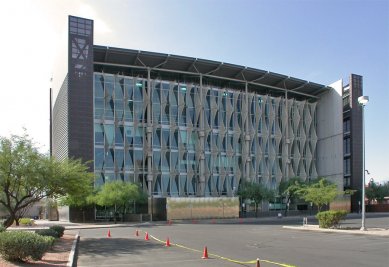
point(221, 134)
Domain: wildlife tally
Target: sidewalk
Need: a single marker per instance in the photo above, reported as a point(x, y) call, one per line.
point(347, 226)
point(44, 224)
point(355, 231)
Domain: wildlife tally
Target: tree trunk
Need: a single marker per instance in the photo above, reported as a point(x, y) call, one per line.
point(9, 221)
point(114, 215)
point(124, 209)
point(286, 207)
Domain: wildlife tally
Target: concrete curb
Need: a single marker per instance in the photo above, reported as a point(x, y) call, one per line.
point(73, 254)
point(96, 226)
point(315, 228)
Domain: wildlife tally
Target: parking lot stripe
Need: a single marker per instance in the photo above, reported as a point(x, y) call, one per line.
point(224, 258)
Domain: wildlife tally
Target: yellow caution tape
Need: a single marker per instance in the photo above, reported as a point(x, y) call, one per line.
point(224, 258)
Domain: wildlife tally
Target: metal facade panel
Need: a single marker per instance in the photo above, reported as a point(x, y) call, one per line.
point(80, 93)
point(208, 68)
point(235, 135)
point(60, 123)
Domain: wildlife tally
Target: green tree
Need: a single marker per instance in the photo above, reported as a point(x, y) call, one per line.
point(255, 192)
point(118, 194)
point(288, 189)
point(27, 176)
point(319, 193)
point(377, 192)
point(385, 189)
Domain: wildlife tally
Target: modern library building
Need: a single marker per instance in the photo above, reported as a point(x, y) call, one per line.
point(186, 127)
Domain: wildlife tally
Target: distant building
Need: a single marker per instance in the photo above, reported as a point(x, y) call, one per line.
point(182, 126)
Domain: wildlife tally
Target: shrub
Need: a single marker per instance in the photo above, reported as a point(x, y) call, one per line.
point(59, 229)
point(47, 232)
point(21, 246)
point(331, 218)
point(2, 228)
point(25, 221)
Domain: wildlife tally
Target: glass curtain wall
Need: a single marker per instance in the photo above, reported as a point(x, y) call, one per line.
point(254, 137)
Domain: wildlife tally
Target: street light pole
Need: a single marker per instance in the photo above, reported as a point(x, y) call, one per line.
point(363, 100)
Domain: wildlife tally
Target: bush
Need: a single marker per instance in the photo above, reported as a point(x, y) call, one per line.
point(2, 228)
point(331, 218)
point(21, 246)
point(47, 232)
point(25, 221)
point(59, 229)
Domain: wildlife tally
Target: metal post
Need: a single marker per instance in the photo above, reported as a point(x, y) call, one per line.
point(363, 100)
point(363, 228)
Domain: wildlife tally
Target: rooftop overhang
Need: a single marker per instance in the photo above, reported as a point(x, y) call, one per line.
point(118, 58)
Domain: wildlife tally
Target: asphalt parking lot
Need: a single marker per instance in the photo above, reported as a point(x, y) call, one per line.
point(233, 244)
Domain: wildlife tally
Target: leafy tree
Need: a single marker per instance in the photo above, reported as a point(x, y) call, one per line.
point(376, 191)
point(27, 176)
point(118, 194)
point(319, 193)
point(385, 189)
point(288, 189)
point(254, 191)
point(80, 200)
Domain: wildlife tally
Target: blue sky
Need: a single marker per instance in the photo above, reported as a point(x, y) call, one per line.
point(318, 40)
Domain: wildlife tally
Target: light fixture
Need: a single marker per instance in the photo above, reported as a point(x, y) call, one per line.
point(363, 100)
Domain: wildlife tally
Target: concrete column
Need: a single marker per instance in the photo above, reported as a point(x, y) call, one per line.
point(246, 155)
point(201, 189)
point(149, 152)
point(287, 141)
point(149, 132)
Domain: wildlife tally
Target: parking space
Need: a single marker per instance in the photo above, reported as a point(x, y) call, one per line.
point(227, 243)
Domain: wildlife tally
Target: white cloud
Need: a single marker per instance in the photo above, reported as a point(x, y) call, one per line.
point(101, 27)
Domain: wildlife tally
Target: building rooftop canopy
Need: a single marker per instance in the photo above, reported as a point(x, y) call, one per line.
point(135, 59)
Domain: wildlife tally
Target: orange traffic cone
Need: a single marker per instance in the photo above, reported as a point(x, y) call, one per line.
point(205, 253)
point(258, 264)
point(109, 233)
point(136, 233)
point(167, 242)
point(147, 236)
